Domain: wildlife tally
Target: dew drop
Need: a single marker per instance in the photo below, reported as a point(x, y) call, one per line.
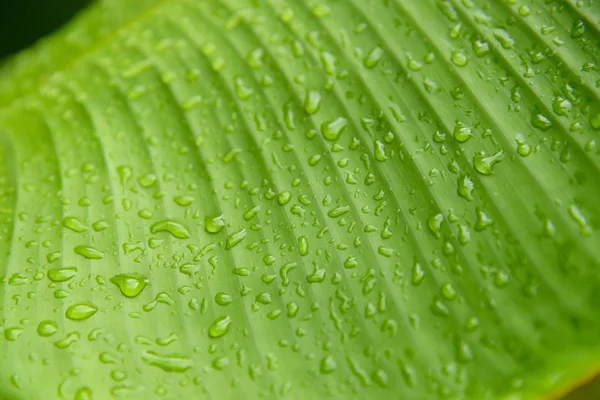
point(219, 327)
point(83, 393)
point(168, 363)
point(89, 252)
point(303, 245)
point(327, 365)
point(459, 58)
point(61, 274)
point(81, 311)
point(12, 334)
point(484, 164)
point(74, 224)
point(373, 58)
point(130, 285)
point(47, 328)
point(174, 228)
point(235, 238)
point(214, 223)
point(466, 187)
point(312, 102)
point(332, 130)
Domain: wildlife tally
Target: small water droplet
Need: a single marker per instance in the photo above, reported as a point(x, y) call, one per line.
point(89, 252)
point(459, 58)
point(12, 334)
point(130, 285)
point(174, 228)
point(235, 238)
point(214, 223)
point(418, 274)
point(168, 363)
point(83, 393)
point(74, 224)
point(81, 311)
point(220, 327)
point(312, 102)
point(373, 58)
point(303, 245)
point(332, 130)
point(338, 211)
point(484, 164)
point(327, 365)
point(47, 328)
point(62, 274)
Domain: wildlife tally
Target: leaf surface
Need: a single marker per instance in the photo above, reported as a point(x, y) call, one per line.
point(303, 199)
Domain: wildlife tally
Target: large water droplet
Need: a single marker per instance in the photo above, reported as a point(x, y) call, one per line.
point(174, 228)
point(89, 252)
point(130, 284)
point(47, 328)
point(74, 224)
point(214, 223)
point(484, 164)
point(235, 238)
point(62, 274)
point(168, 363)
point(219, 327)
point(332, 130)
point(80, 311)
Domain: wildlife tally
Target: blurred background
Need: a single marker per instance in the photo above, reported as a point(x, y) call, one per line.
point(22, 22)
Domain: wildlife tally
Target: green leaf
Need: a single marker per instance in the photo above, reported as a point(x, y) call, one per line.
point(303, 199)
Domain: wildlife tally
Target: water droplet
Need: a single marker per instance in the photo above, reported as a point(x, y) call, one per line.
point(462, 133)
point(83, 393)
point(329, 62)
point(223, 299)
point(312, 102)
point(235, 238)
point(174, 228)
point(332, 130)
point(561, 106)
point(89, 252)
point(168, 363)
point(338, 211)
point(541, 122)
point(577, 29)
point(130, 285)
point(214, 223)
point(12, 334)
point(523, 148)
point(485, 164)
point(219, 327)
point(481, 48)
point(350, 263)
point(380, 154)
point(463, 352)
point(373, 58)
point(435, 224)
point(80, 311)
point(459, 58)
point(504, 38)
point(303, 245)
point(327, 365)
point(465, 187)
point(62, 274)
point(47, 328)
point(67, 341)
point(448, 291)
point(74, 224)
point(183, 200)
point(418, 274)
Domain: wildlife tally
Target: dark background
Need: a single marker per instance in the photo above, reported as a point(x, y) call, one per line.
point(22, 22)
